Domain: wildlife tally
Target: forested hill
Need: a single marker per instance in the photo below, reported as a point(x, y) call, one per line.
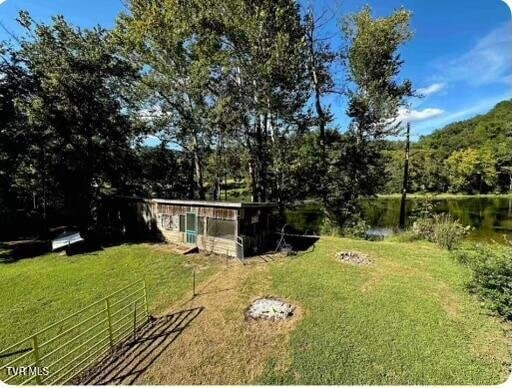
point(492, 127)
point(471, 156)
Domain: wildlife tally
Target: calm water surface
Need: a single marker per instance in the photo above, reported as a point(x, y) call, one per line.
point(491, 217)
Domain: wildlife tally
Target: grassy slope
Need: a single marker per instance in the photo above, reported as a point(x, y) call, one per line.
point(406, 319)
point(37, 292)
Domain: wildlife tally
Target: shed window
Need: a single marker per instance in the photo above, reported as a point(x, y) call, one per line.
point(182, 222)
point(168, 222)
point(221, 228)
point(200, 225)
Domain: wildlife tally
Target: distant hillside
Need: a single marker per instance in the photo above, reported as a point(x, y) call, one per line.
point(471, 156)
point(494, 126)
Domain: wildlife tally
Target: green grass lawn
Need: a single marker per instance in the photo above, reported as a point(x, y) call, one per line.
point(36, 292)
point(405, 319)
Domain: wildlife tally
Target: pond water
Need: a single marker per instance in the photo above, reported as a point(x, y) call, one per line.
point(491, 217)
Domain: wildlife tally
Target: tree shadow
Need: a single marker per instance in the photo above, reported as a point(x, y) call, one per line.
point(29, 249)
point(19, 250)
point(132, 358)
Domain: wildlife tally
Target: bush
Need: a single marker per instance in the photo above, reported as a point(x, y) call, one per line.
point(329, 228)
point(492, 275)
point(357, 228)
point(441, 229)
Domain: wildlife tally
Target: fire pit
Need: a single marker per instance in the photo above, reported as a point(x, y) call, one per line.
point(353, 258)
point(272, 309)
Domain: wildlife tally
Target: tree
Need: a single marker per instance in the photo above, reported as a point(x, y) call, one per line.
point(75, 133)
point(491, 132)
point(373, 66)
point(471, 170)
point(181, 57)
point(320, 58)
point(507, 170)
point(405, 184)
point(267, 85)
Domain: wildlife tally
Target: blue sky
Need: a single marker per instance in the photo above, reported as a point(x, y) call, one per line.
point(460, 56)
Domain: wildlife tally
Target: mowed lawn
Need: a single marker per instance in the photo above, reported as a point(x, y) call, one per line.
point(37, 292)
point(406, 319)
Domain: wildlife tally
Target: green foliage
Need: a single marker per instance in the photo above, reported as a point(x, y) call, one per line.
point(471, 156)
point(475, 152)
point(374, 67)
point(492, 275)
point(357, 228)
point(441, 229)
point(69, 89)
point(220, 72)
point(356, 162)
point(471, 169)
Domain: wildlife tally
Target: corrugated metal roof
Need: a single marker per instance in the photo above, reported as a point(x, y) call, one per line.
point(180, 202)
point(234, 205)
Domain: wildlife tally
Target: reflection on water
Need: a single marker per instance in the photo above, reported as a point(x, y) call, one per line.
point(491, 217)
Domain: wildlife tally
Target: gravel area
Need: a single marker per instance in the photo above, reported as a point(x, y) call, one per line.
point(353, 258)
point(270, 309)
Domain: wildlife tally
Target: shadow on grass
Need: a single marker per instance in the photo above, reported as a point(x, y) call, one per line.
point(29, 249)
point(18, 250)
point(130, 360)
point(13, 251)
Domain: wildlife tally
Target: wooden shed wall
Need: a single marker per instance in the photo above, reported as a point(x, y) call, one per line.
point(144, 217)
point(211, 212)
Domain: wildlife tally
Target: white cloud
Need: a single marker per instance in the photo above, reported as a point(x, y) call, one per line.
point(489, 61)
point(2, 1)
point(411, 116)
point(432, 89)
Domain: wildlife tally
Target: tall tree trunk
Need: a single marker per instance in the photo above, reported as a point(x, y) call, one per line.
point(320, 113)
point(405, 183)
point(198, 167)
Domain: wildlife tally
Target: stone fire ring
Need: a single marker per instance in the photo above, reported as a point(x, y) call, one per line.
point(353, 258)
point(270, 309)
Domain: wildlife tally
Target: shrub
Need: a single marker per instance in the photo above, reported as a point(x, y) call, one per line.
point(329, 228)
point(441, 229)
point(492, 275)
point(357, 228)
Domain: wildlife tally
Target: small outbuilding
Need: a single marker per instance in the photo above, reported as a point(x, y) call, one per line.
point(236, 229)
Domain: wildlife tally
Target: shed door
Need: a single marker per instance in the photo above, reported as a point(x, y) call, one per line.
point(191, 228)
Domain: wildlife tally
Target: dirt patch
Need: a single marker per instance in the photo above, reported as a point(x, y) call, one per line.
point(219, 346)
point(356, 258)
